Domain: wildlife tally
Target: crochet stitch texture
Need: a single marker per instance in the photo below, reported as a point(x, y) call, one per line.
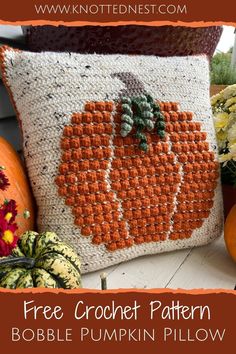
point(97, 189)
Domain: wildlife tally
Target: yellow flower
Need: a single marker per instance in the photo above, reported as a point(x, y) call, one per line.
point(216, 98)
point(221, 138)
point(232, 108)
point(225, 157)
point(8, 216)
point(232, 135)
point(232, 149)
point(221, 135)
point(230, 101)
point(8, 236)
point(221, 121)
point(232, 117)
point(229, 91)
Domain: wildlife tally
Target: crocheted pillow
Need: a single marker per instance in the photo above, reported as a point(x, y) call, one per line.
point(120, 150)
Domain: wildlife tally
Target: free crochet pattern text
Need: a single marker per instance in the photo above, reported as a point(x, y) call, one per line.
point(174, 311)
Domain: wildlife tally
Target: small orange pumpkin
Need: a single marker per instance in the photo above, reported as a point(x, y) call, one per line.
point(18, 188)
point(230, 232)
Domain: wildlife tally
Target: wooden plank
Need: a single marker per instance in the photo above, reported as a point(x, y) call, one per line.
point(207, 267)
point(143, 272)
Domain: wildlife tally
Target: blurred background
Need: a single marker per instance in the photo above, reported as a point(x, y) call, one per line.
point(223, 70)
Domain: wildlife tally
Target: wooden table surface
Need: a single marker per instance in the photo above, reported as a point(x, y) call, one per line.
point(207, 267)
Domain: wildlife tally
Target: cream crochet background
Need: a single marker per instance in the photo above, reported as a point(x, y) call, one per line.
point(49, 87)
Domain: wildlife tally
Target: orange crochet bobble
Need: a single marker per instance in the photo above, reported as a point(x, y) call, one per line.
point(70, 201)
point(139, 240)
point(155, 238)
point(106, 238)
point(65, 143)
point(115, 236)
point(112, 246)
point(109, 106)
point(148, 238)
point(71, 178)
point(121, 244)
point(173, 116)
point(100, 106)
point(75, 143)
point(189, 115)
point(79, 221)
point(76, 118)
point(60, 180)
point(68, 131)
point(86, 231)
point(77, 130)
point(97, 240)
point(73, 190)
point(64, 168)
point(67, 156)
point(89, 106)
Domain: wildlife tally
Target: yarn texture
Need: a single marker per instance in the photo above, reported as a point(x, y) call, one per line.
point(120, 151)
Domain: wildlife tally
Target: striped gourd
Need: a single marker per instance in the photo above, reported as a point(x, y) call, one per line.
point(40, 261)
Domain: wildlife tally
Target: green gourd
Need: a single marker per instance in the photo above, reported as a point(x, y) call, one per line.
point(40, 260)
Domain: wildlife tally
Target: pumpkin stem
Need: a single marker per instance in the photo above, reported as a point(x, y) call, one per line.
point(17, 261)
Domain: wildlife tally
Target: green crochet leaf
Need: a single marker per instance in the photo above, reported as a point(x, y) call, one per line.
point(143, 114)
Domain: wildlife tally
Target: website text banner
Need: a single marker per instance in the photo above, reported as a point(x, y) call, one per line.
point(104, 322)
point(103, 12)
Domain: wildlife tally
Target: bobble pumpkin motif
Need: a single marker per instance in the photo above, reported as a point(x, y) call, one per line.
point(122, 194)
point(40, 261)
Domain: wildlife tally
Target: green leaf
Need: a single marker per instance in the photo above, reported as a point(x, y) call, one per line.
point(127, 119)
point(147, 115)
point(161, 133)
point(126, 100)
point(161, 125)
point(143, 146)
point(141, 136)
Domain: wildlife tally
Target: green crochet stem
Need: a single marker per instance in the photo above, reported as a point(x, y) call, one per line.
point(127, 116)
point(144, 114)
